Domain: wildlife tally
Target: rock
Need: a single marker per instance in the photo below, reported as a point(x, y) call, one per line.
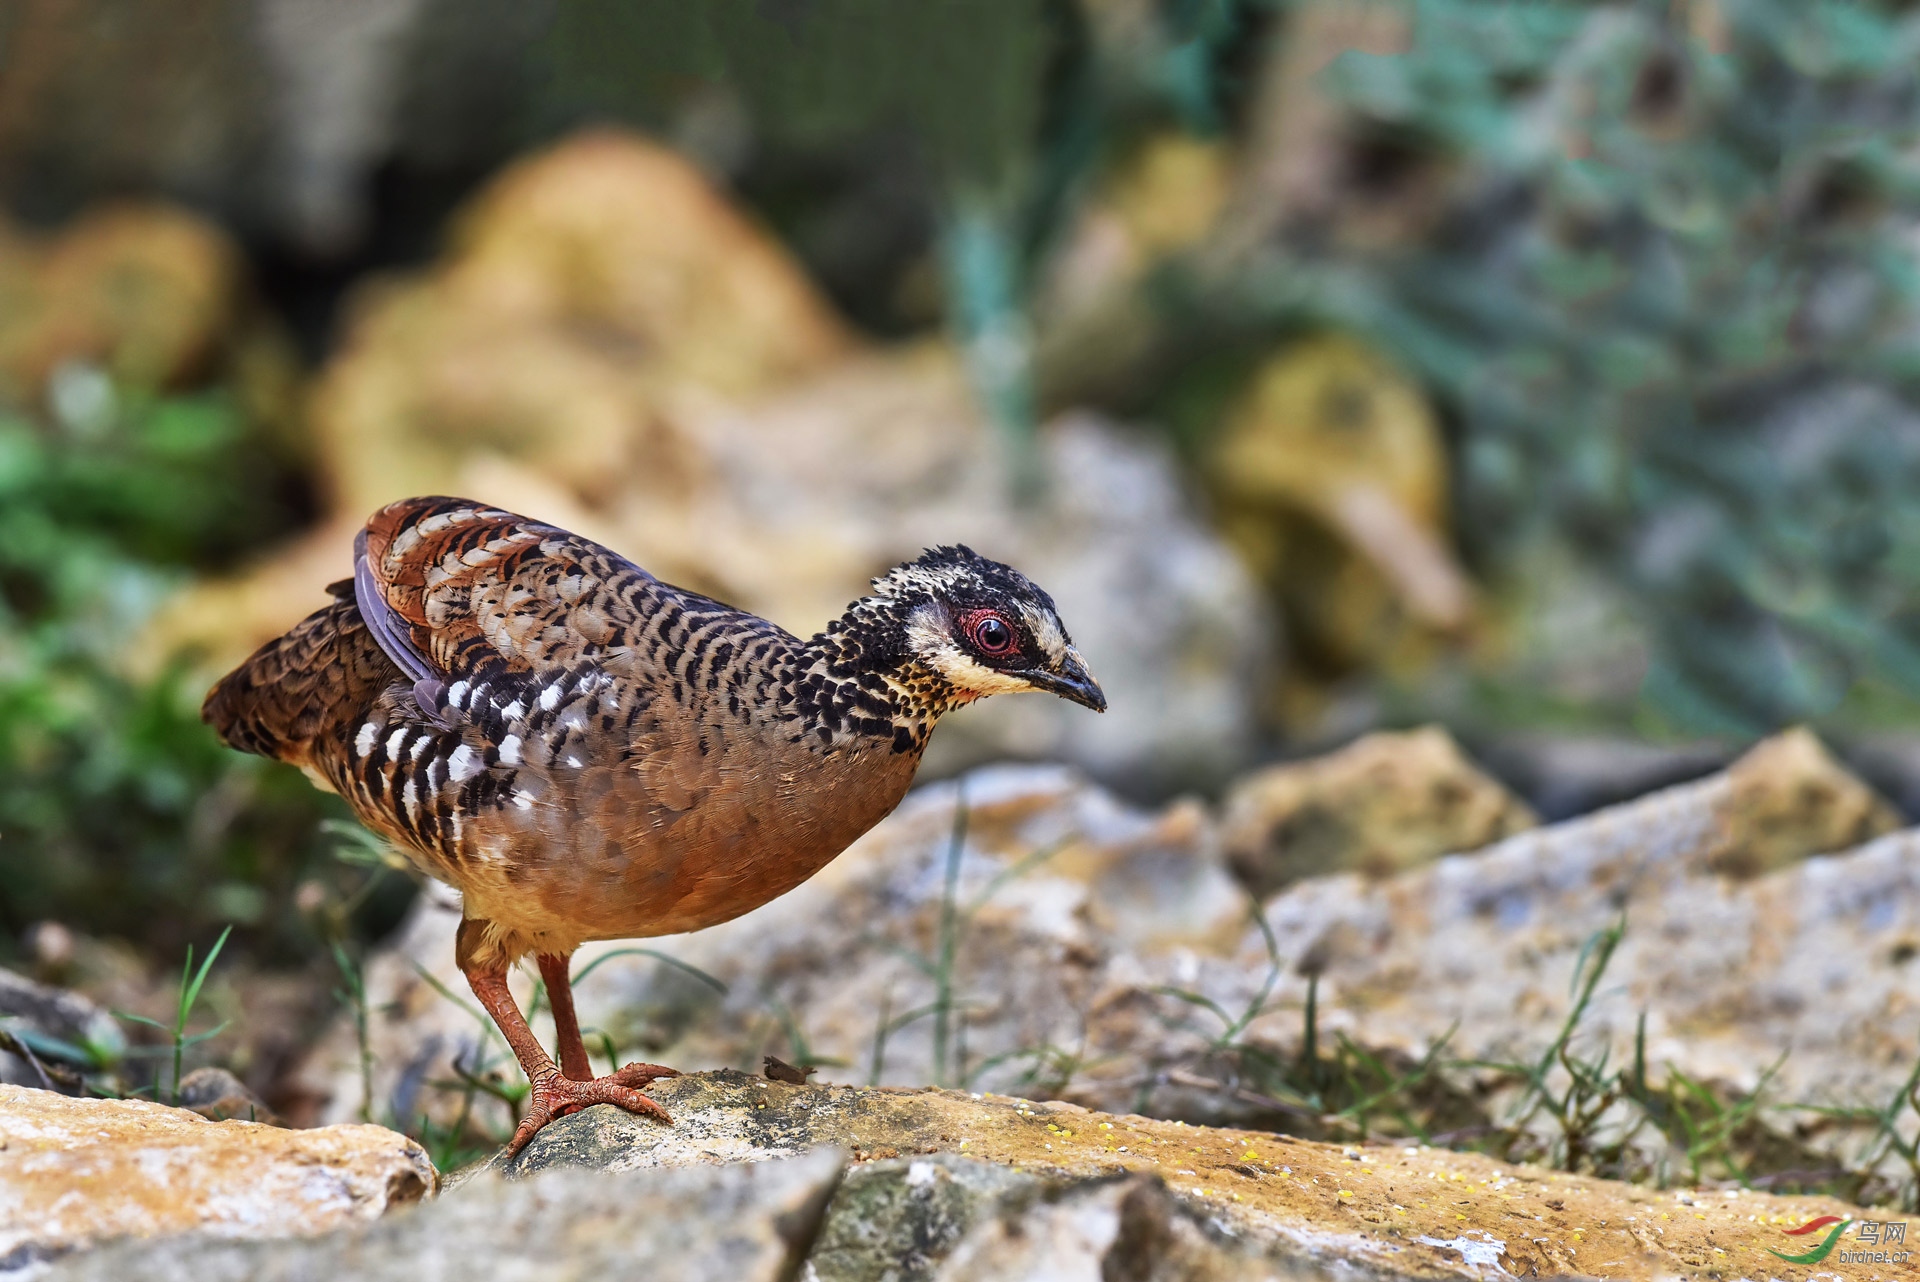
point(911, 1218)
point(1381, 805)
point(950, 1185)
point(1331, 479)
point(1113, 1229)
point(739, 1223)
point(55, 1033)
point(81, 1172)
point(146, 291)
point(1090, 313)
point(52, 946)
point(1788, 799)
point(1077, 919)
point(610, 230)
point(219, 1096)
point(954, 1218)
point(904, 1216)
point(585, 284)
point(1728, 970)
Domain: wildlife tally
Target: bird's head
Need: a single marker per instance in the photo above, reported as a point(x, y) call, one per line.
point(982, 628)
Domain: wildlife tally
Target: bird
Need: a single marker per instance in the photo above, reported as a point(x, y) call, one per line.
point(586, 752)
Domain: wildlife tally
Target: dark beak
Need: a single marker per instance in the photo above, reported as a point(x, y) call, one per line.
point(1070, 681)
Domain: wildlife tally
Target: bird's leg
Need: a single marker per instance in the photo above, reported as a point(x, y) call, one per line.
point(566, 1026)
point(489, 984)
point(555, 1094)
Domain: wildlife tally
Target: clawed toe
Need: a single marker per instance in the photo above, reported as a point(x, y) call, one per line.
point(638, 1074)
point(555, 1096)
point(634, 1102)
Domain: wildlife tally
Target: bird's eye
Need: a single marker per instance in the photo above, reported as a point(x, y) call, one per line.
point(992, 634)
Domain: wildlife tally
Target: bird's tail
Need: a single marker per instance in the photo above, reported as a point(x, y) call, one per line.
point(297, 688)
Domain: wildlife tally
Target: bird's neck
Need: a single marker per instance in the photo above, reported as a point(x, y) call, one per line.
point(860, 677)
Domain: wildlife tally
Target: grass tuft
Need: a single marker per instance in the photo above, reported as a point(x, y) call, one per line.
point(191, 982)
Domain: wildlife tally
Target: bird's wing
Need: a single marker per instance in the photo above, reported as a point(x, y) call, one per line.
point(456, 590)
point(462, 595)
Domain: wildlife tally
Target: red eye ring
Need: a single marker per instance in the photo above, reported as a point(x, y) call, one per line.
point(990, 632)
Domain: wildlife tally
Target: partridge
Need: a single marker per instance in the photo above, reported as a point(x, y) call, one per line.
point(586, 752)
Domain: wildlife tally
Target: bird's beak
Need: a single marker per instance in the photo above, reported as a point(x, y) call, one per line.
point(1070, 681)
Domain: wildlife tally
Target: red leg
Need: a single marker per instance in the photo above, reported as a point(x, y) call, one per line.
point(566, 1027)
point(555, 1094)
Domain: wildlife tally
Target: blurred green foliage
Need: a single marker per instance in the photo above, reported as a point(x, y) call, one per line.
point(1674, 305)
point(1656, 264)
point(119, 811)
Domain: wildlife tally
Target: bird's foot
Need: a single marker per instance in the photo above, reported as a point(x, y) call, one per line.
point(555, 1095)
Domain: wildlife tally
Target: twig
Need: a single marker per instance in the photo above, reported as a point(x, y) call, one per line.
point(68, 1078)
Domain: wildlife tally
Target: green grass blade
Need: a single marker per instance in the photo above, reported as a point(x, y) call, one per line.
point(689, 968)
point(191, 992)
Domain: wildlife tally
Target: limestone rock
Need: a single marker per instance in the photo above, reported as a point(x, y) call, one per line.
point(1383, 804)
point(915, 1218)
point(1788, 799)
point(610, 230)
point(80, 1172)
point(942, 1217)
point(1093, 323)
point(1331, 478)
point(1115, 1229)
point(219, 1096)
point(1812, 956)
point(950, 1185)
point(901, 1217)
point(585, 282)
point(747, 1184)
point(739, 1223)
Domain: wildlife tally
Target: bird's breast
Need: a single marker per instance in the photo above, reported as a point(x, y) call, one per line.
point(668, 843)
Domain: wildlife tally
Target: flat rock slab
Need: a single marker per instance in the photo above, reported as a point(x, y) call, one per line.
point(744, 1223)
point(75, 1172)
point(1406, 1211)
